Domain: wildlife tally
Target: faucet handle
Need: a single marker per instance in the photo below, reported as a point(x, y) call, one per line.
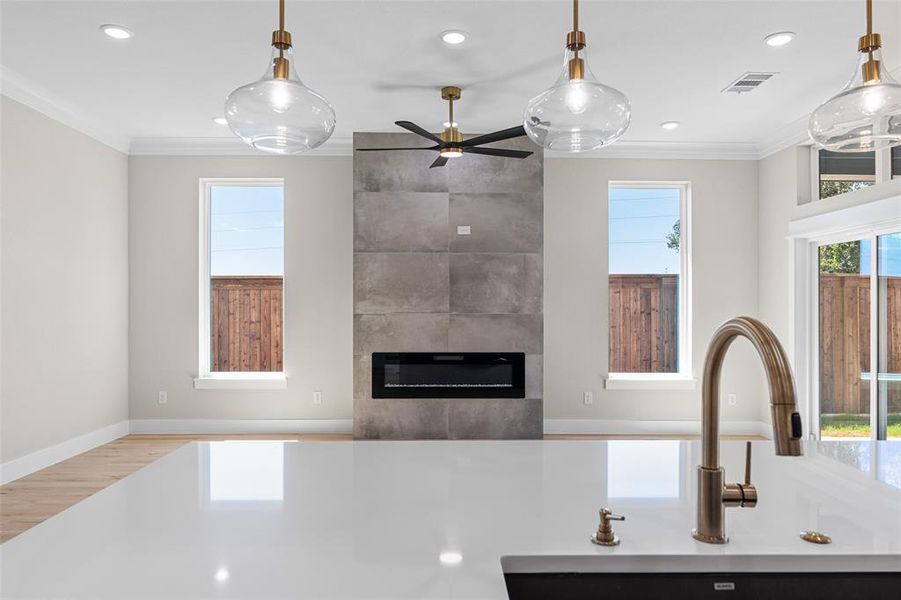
point(608, 515)
point(741, 494)
point(748, 463)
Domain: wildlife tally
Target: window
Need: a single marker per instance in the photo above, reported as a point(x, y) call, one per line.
point(896, 162)
point(859, 311)
point(241, 280)
point(648, 269)
point(844, 338)
point(841, 172)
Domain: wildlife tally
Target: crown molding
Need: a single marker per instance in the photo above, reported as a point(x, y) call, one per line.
point(21, 89)
point(793, 134)
point(225, 146)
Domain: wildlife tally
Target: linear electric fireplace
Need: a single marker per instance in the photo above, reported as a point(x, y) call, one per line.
point(448, 375)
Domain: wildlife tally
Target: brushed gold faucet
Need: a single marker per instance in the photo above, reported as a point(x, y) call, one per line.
point(714, 494)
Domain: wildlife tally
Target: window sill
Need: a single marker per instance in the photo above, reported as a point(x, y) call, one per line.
point(649, 381)
point(241, 381)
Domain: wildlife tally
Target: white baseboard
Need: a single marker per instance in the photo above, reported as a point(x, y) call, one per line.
point(631, 427)
point(242, 425)
point(25, 465)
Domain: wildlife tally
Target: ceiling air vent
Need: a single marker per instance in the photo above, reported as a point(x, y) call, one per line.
point(748, 82)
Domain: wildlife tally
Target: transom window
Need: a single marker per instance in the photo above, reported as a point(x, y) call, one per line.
point(841, 172)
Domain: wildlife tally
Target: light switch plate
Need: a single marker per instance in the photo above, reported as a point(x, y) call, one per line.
point(464, 230)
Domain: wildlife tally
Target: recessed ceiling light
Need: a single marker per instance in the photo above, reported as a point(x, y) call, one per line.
point(447, 124)
point(117, 32)
point(450, 558)
point(220, 120)
point(780, 38)
point(453, 37)
point(669, 124)
point(221, 575)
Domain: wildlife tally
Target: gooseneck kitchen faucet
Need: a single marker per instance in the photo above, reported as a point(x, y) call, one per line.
point(714, 494)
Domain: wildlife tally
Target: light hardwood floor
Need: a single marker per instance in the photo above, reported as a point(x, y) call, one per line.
point(35, 498)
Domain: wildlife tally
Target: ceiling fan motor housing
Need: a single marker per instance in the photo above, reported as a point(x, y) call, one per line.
point(451, 135)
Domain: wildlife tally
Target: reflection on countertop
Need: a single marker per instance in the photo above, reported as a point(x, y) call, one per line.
point(433, 519)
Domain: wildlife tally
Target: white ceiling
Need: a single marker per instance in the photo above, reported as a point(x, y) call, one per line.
point(378, 61)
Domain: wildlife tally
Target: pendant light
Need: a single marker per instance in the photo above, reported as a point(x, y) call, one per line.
point(577, 113)
point(279, 113)
point(866, 114)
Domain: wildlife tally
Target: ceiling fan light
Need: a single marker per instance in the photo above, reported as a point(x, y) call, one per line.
point(577, 113)
point(864, 115)
point(280, 114)
point(451, 152)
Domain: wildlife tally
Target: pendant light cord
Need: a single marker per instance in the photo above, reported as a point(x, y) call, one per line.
point(281, 24)
point(869, 17)
point(576, 25)
point(870, 26)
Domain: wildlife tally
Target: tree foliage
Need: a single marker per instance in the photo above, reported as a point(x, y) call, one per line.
point(674, 237)
point(830, 188)
point(843, 257)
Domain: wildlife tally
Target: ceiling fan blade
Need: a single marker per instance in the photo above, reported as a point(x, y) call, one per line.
point(389, 149)
point(497, 136)
point(439, 162)
point(498, 152)
point(418, 130)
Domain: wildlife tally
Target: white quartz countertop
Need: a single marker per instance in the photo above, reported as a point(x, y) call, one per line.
point(438, 519)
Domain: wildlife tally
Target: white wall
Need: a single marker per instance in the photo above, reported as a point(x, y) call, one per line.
point(163, 241)
point(64, 283)
point(778, 197)
point(319, 224)
point(724, 248)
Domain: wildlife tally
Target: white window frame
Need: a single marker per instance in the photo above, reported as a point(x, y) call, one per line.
point(883, 159)
point(207, 379)
point(865, 221)
point(684, 379)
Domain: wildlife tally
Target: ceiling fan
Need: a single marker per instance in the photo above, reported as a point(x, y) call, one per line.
point(450, 143)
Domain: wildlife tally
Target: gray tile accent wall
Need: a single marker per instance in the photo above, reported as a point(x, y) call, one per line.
point(420, 287)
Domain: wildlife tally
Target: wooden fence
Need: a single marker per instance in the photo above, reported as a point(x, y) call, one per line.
point(644, 320)
point(246, 323)
point(844, 304)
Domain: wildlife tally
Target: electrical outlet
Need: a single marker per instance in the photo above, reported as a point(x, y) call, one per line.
point(162, 398)
point(317, 397)
point(732, 399)
point(464, 230)
point(587, 398)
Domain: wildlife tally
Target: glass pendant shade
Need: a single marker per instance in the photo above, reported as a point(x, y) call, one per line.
point(280, 114)
point(577, 113)
point(865, 115)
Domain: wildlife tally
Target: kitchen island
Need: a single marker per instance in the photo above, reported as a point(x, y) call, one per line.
point(446, 519)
